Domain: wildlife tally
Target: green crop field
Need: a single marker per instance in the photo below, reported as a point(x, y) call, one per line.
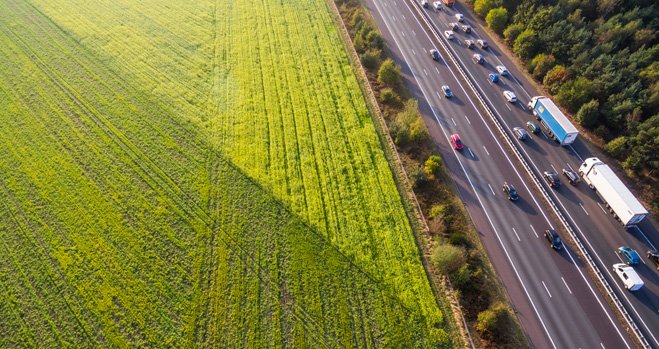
point(196, 174)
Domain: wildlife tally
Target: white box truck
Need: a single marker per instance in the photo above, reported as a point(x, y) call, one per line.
point(628, 276)
point(558, 126)
point(619, 200)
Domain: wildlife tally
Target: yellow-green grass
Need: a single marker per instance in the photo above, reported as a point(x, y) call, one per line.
point(196, 174)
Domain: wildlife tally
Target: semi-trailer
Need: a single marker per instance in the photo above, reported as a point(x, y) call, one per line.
point(557, 125)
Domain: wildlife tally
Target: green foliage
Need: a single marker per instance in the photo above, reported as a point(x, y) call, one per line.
point(418, 178)
point(370, 59)
point(643, 148)
point(389, 97)
point(617, 147)
point(574, 93)
point(526, 44)
point(171, 181)
point(441, 211)
point(413, 122)
point(541, 65)
point(447, 258)
point(389, 73)
point(375, 40)
point(512, 32)
point(555, 78)
point(588, 114)
point(432, 166)
point(497, 19)
point(494, 322)
point(483, 7)
point(400, 133)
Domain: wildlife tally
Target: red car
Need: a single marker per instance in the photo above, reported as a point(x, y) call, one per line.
point(456, 142)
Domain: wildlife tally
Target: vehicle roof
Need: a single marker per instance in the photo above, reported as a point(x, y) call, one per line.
point(549, 105)
point(621, 190)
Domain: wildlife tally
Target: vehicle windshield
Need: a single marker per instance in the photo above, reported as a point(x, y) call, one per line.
point(513, 192)
point(457, 141)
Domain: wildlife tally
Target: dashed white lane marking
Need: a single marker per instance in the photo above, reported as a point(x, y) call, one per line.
point(507, 106)
point(515, 231)
point(566, 286)
point(492, 190)
point(470, 152)
point(546, 289)
point(425, 72)
point(454, 124)
point(488, 153)
point(536, 234)
point(584, 209)
point(603, 210)
point(467, 119)
point(413, 33)
point(414, 52)
point(403, 33)
point(437, 70)
point(553, 168)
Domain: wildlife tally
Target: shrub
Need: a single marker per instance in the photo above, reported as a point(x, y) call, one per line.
point(389, 96)
point(461, 278)
point(482, 7)
point(374, 40)
point(441, 211)
point(389, 74)
point(541, 64)
point(555, 78)
point(432, 166)
point(447, 258)
point(400, 133)
point(617, 147)
point(512, 32)
point(497, 19)
point(370, 59)
point(494, 322)
point(526, 44)
point(418, 178)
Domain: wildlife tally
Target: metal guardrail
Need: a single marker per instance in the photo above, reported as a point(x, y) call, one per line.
point(591, 263)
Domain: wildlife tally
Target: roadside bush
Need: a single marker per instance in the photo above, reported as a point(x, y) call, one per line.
point(399, 133)
point(374, 40)
point(555, 78)
point(389, 97)
point(441, 211)
point(389, 74)
point(482, 7)
point(370, 59)
point(495, 322)
point(432, 166)
point(617, 147)
point(526, 44)
point(448, 258)
point(461, 278)
point(418, 178)
point(411, 118)
point(459, 239)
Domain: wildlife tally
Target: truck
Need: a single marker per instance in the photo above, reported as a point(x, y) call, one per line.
point(628, 276)
point(448, 2)
point(553, 120)
point(619, 200)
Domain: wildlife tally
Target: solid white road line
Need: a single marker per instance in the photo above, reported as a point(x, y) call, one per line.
point(536, 234)
point(575, 153)
point(488, 153)
point(645, 237)
point(543, 284)
point(602, 346)
point(488, 184)
point(515, 231)
point(566, 286)
point(584, 209)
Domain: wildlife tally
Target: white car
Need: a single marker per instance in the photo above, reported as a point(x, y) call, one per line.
point(510, 96)
point(424, 3)
point(502, 70)
point(449, 34)
point(469, 43)
point(482, 44)
point(459, 17)
point(437, 5)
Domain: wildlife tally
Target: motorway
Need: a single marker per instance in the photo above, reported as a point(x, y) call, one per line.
point(556, 301)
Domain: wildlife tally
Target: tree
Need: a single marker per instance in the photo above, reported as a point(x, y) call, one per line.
point(494, 322)
point(374, 40)
point(541, 64)
point(400, 133)
point(588, 114)
point(389, 74)
point(370, 59)
point(526, 44)
point(555, 78)
point(432, 166)
point(512, 32)
point(574, 93)
point(448, 258)
point(497, 19)
point(617, 147)
point(418, 178)
point(388, 96)
point(483, 7)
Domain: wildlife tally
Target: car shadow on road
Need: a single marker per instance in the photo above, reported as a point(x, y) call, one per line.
point(533, 144)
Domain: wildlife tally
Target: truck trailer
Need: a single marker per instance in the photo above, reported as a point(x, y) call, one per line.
point(619, 200)
point(448, 2)
point(554, 121)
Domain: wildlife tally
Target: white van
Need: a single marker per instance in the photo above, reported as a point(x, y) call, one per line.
point(628, 276)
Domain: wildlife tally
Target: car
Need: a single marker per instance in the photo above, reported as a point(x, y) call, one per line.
point(502, 70)
point(449, 34)
point(552, 179)
point(572, 176)
point(653, 256)
point(493, 77)
point(456, 142)
point(454, 26)
point(520, 133)
point(630, 256)
point(424, 3)
point(447, 91)
point(469, 43)
point(466, 28)
point(434, 54)
point(533, 127)
point(554, 240)
point(437, 5)
point(510, 191)
point(510, 96)
point(482, 43)
point(628, 276)
point(460, 17)
point(477, 58)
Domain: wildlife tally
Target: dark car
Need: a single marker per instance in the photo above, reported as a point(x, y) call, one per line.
point(447, 91)
point(482, 43)
point(520, 133)
point(552, 179)
point(434, 54)
point(572, 176)
point(509, 189)
point(533, 127)
point(553, 238)
point(629, 255)
point(654, 257)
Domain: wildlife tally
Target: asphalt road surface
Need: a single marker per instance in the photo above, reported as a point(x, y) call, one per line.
point(557, 303)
